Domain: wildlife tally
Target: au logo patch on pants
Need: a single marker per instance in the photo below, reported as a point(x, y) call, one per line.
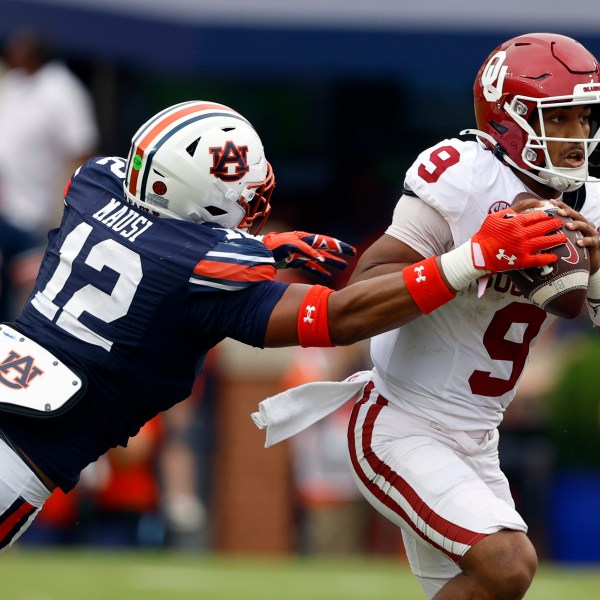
point(17, 371)
point(33, 381)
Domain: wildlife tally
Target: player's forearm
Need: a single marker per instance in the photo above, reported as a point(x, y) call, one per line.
point(368, 308)
point(365, 272)
point(318, 317)
point(352, 314)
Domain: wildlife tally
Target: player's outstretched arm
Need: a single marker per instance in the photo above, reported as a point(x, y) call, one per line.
point(318, 316)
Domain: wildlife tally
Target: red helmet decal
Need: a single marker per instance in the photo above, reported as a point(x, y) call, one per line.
point(159, 188)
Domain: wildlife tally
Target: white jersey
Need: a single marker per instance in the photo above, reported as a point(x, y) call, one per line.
point(461, 364)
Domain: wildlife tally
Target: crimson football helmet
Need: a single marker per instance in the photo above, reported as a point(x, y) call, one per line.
point(519, 79)
point(200, 161)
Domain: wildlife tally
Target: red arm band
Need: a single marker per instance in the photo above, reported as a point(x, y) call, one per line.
point(425, 284)
point(313, 320)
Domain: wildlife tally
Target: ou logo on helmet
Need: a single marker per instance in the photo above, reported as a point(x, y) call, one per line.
point(492, 78)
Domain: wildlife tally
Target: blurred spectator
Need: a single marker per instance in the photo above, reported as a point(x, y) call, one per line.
point(125, 508)
point(183, 508)
point(58, 523)
point(20, 258)
point(527, 451)
point(333, 513)
point(47, 129)
point(115, 504)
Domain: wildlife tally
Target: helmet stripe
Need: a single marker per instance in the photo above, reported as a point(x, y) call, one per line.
point(143, 129)
point(157, 126)
point(168, 135)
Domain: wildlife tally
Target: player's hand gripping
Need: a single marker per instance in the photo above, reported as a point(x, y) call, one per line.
point(509, 240)
point(506, 240)
point(589, 234)
point(313, 252)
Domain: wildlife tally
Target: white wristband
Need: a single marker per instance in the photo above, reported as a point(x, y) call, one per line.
point(458, 267)
point(593, 290)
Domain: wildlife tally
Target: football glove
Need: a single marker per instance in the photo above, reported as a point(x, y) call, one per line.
point(506, 240)
point(318, 254)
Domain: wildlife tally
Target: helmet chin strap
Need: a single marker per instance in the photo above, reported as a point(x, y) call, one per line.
point(230, 194)
point(554, 180)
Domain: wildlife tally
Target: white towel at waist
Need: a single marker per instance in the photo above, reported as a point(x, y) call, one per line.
point(293, 410)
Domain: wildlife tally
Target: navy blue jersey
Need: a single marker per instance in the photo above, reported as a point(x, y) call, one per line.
point(134, 302)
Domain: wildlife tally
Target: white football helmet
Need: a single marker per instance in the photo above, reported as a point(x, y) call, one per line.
point(200, 161)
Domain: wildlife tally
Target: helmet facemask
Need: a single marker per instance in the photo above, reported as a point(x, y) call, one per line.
point(535, 154)
point(256, 200)
point(521, 79)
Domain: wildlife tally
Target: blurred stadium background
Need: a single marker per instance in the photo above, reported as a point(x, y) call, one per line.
point(344, 95)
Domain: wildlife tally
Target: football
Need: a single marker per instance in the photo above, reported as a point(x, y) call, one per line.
point(560, 288)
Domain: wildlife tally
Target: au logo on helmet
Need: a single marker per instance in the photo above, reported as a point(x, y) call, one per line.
point(230, 162)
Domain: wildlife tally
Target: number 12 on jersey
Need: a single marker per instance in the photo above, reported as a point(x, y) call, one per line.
point(88, 298)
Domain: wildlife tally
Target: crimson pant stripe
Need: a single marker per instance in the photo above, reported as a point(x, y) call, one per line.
point(13, 519)
point(424, 513)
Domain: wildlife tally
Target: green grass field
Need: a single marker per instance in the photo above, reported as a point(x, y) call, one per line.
point(92, 575)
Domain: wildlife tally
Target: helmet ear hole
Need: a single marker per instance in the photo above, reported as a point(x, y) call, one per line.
point(499, 128)
point(215, 211)
point(191, 149)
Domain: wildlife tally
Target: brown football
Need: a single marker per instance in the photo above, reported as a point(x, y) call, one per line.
point(559, 288)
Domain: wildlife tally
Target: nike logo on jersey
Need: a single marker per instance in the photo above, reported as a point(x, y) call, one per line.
point(22, 369)
point(123, 219)
point(594, 306)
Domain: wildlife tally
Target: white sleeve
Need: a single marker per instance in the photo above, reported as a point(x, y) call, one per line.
point(421, 227)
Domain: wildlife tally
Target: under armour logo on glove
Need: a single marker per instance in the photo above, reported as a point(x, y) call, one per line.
point(501, 254)
point(312, 252)
point(509, 240)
